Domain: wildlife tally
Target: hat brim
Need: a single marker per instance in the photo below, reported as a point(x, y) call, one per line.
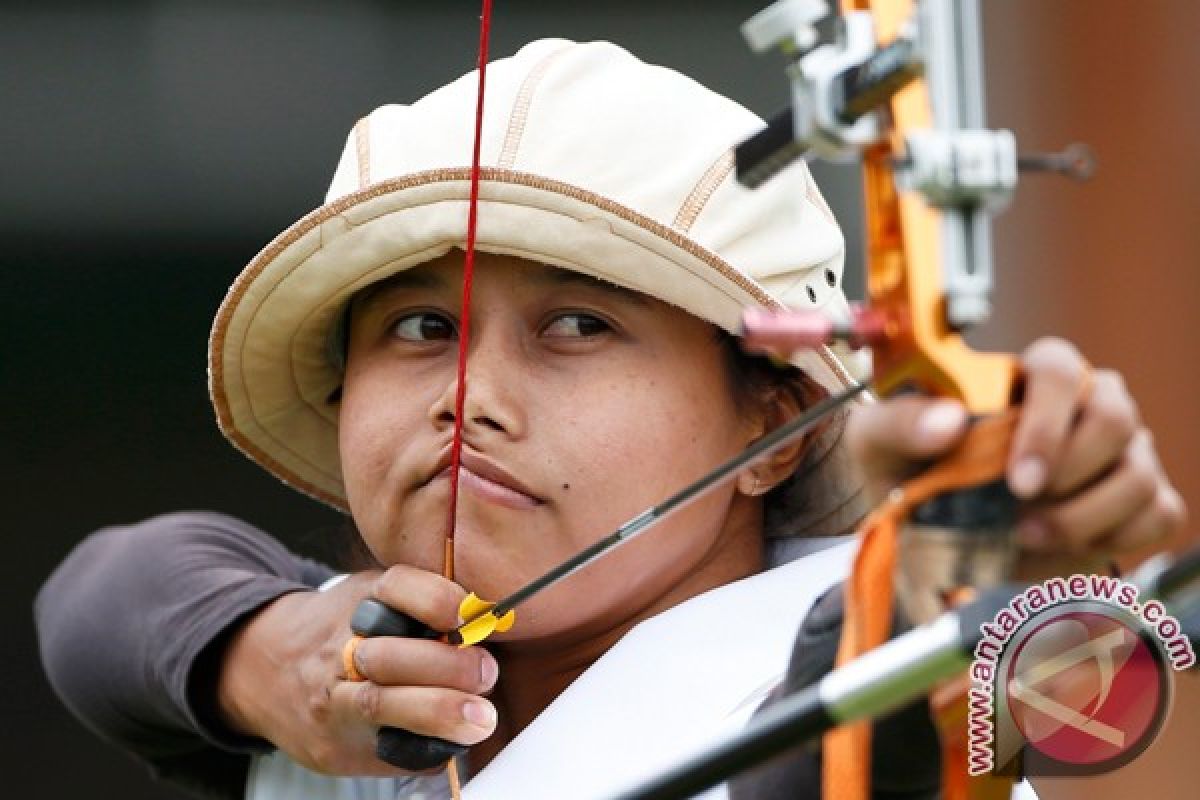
point(270, 375)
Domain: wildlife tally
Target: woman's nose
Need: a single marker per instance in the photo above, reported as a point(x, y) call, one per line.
point(493, 382)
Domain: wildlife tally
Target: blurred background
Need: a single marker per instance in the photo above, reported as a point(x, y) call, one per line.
point(151, 148)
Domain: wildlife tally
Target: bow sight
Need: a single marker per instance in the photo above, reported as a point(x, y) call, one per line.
point(839, 93)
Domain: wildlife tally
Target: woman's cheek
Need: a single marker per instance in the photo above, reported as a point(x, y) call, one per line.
point(363, 461)
point(376, 475)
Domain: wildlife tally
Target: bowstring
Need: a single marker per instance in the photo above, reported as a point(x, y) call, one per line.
point(485, 26)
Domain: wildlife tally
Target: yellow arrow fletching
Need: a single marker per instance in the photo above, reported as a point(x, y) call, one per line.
point(481, 623)
point(472, 606)
point(477, 630)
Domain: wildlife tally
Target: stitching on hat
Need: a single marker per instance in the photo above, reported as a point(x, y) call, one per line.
point(694, 203)
point(314, 218)
point(362, 145)
point(520, 110)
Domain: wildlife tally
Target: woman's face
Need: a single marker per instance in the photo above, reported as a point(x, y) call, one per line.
point(585, 405)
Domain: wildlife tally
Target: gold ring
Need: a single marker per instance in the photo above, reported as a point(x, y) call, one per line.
point(348, 665)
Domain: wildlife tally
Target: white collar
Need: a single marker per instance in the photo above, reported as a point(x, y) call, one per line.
point(666, 689)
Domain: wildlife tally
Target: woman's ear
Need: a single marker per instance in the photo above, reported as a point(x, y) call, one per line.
point(777, 408)
point(750, 484)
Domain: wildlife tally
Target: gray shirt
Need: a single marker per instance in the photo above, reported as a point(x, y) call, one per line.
point(131, 626)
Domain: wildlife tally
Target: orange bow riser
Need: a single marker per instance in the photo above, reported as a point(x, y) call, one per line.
point(907, 97)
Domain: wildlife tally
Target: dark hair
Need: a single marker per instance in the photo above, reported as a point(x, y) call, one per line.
point(756, 380)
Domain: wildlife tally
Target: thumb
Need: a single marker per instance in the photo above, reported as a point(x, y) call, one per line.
point(893, 439)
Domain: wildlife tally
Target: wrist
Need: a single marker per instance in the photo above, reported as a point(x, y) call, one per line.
point(250, 665)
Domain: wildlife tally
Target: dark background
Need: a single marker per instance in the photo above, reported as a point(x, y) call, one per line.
point(150, 149)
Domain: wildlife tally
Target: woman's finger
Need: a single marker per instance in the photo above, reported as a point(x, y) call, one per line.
point(428, 711)
point(1106, 425)
point(1160, 520)
point(1079, 523)
point(391, 661)
point(1056, 376)
point(891, 438)
point(425, 596)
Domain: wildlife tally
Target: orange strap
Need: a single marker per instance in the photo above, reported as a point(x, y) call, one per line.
point(870, 595)
point(948, 703)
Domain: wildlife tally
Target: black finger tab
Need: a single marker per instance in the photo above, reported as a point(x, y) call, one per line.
point(407, 750)
point(373, 618)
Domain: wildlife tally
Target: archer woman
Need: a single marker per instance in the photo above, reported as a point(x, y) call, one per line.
point(615, 255)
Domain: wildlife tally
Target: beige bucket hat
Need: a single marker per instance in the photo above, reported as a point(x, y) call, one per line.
point(592, 161)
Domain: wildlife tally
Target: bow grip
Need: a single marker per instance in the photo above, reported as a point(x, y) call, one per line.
point(396, 746)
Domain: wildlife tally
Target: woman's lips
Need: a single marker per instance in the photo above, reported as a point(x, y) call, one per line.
point(491, 482)
point(487, 480)
point(496, 492)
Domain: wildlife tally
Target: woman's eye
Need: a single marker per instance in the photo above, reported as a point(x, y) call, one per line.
point(577, 325)
point(424, 326)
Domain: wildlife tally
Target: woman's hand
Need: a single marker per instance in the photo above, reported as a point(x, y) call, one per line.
point(282, 677)
point(1081, 461)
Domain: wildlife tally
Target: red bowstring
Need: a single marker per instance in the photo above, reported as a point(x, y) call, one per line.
point(485, 27)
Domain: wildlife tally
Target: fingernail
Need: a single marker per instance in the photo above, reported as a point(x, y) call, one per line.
point(1033, 533)
point(488, 669)
point(1027, 476)
point(941, 420)
point(480, 712)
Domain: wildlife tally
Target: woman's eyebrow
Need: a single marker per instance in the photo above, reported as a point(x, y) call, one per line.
point(400, 281)
point(562, 277)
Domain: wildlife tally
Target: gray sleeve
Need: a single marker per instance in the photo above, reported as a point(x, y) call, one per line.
point(131, 627)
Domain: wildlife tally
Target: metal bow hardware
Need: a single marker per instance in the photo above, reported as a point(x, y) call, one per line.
point(903, 89)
